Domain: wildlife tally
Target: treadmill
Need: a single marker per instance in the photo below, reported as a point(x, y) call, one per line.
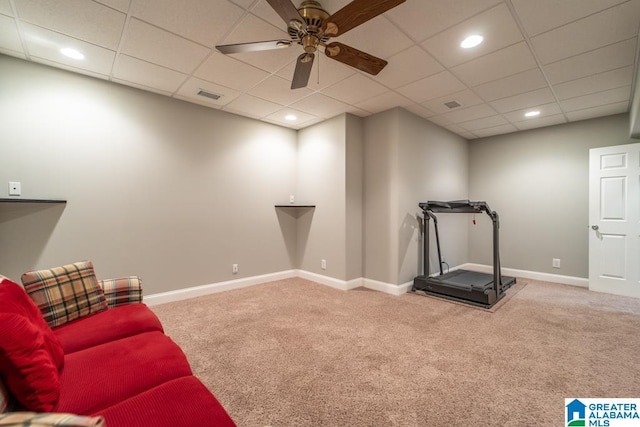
point(470, 287)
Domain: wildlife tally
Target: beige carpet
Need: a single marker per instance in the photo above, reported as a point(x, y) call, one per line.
point(295, 353)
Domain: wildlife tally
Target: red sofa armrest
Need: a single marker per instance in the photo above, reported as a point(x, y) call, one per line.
point(122, 291)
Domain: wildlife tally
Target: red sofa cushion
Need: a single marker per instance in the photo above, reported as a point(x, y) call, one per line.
point(26, 365)
point(183, 402)
point(101, 376)
point(106, 326)
point(14, 299)
point(30, 354)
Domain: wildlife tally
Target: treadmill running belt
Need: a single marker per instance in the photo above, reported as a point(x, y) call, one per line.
point(468, 280)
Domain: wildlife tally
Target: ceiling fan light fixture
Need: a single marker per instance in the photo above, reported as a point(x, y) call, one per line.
point(471, 41)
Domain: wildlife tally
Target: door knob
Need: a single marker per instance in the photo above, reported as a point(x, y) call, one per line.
point(595, 227)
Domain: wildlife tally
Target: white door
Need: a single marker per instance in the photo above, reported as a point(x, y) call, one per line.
point(614, 220)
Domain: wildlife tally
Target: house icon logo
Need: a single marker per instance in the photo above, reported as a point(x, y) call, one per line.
point(576, 413)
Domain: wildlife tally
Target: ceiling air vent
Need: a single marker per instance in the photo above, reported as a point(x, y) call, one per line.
point(452, 104)
point(211, 95)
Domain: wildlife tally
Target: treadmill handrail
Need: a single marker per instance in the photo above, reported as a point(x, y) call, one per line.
point(461, 206)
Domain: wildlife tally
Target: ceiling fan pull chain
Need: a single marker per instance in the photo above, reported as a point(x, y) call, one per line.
point(319, 61)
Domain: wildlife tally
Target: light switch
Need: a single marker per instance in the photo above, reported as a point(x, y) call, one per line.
point(14, 188)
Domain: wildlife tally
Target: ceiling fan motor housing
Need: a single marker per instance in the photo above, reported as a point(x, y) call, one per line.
point(314, 16)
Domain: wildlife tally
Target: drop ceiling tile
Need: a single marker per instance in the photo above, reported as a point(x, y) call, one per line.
point(505, 62)
point(247, 105)
point(205, 22)
point(321, 105)
point(523, 100)
point(441, 121)
point(465, 98)
point(146, 74)
point(86, 20)
point(611, 96)
point(512, 85)
point(543, 15)
point(253, 29)
point(160, 47)
point(470, 113)
point(421, 19)
point(603, 110)
point(539, 122)
point(456, 129)
point(243, 3)
point(9, 36)
point(279, 117)
point(496, 25)
point(419, 110)
point(435, 86)
point(497, 130)
point(384, 102)
point(141, 87)
point(5, 8)
point(189, 91)
point(378, 37)
point(70, 68)
point(227, 71)
point(468, 135)
point(595, 83)
point(279, 90)
point(265, 12)
point(46, 44)
point(483, 123)
point(613, 25)
point(121, 5)
point(331, 72)
point(13, 53)
point(604, 59)
point(354, 89)
point(546, 110)
point(408, 66)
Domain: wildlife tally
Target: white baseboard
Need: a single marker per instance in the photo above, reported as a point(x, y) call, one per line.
point(534, 275)
point(387, 288)
point(343, 285)
point(329, 281)
point(198, 291)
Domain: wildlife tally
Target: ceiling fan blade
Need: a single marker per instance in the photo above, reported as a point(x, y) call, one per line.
point(356, 13)
point(355, 58)
point(254, 47)
point(287, 11)
point(304, 63)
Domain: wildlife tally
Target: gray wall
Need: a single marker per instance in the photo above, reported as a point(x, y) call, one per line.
point(538, 182)
point(409, 160)
point(433, 165)
point(321, 181)
point(168, 190)
point(330, 177)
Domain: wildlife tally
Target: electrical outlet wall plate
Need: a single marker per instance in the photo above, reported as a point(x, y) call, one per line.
point(15, 188)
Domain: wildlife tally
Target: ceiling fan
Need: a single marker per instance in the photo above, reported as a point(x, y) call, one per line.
point(311, 27)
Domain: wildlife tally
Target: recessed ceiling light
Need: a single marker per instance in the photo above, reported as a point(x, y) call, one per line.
point(532, 113)
point(472, 41)
point(290, 117)
point(71, 53)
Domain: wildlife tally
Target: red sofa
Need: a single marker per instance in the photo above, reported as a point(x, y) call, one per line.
point(108, 359)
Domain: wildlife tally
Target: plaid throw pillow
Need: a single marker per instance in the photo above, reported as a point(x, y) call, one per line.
point(122, 291)
point(32, 419)
point(65, 293)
